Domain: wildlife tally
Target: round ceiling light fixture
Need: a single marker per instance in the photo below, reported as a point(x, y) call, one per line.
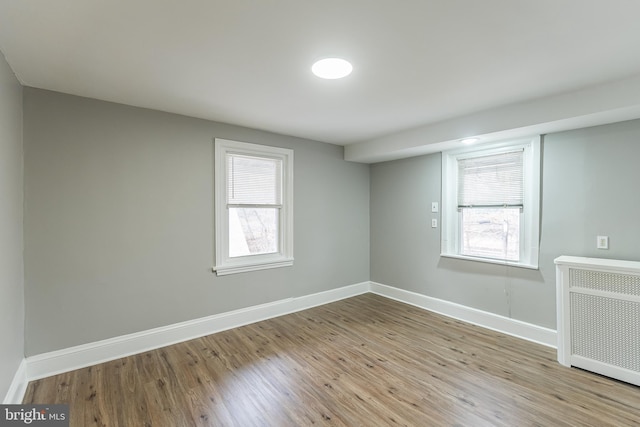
point(332, 68)
point(469, 141)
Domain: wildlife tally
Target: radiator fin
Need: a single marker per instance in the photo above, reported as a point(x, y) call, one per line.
point(606, 329)
point(627, 284)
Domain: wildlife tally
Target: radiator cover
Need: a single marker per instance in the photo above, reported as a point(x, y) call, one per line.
point(599, 316)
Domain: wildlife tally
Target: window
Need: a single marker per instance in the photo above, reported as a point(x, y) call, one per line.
point(253, 207)
point(490, 206)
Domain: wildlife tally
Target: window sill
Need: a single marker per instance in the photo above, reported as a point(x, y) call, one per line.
point(491, 261)
point(224, 270)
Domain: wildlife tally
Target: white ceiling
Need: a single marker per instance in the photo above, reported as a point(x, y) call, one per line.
point(247, 62)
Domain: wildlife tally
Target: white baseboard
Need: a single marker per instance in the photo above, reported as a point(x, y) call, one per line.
point(516, 328)
point(18, 386)
point(68, 359)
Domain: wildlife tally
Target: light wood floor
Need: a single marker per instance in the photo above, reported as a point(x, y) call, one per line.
point(364, 361)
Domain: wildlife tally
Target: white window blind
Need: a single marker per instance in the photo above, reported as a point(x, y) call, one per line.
point(253, 180)
point(493, 180)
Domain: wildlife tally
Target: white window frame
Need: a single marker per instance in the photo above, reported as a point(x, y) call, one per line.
point(530, 224)
point(284, 257)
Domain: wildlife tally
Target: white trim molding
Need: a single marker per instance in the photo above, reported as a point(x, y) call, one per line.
point(68, 359)
point(18, 386)
point(451, 220)
point(495, 322)
point(224, 262)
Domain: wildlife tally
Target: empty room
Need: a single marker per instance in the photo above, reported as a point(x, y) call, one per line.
point(340, 213)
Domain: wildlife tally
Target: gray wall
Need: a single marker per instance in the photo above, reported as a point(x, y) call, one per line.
point(119, 227)
point(119, 221)
point(11, 261)
point(589, 188)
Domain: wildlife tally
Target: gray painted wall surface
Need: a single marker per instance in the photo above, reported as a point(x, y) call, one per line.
point(119, 228)
point(589, 188)
point(11, 260)
point(119, 221)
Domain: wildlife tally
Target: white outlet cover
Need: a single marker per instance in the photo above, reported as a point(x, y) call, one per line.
point(602, 242)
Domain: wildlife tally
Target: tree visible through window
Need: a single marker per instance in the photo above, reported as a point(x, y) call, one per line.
point(490, 201)
point(252, 231)
point(491, 233)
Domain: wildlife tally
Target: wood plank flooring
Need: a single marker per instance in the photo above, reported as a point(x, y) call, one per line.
point(363, 361)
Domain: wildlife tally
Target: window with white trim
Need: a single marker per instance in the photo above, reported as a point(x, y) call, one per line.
point(253, 207)
point(491, 203)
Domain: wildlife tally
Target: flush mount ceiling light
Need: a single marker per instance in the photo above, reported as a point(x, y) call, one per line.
point(469, 140)
point(332, 68)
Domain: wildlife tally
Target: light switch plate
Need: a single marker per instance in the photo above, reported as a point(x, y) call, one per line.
point(434, 206)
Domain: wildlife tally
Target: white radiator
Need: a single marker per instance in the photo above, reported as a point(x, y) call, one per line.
point(598, 303)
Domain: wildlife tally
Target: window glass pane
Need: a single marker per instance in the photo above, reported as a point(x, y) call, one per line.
point(491, 233)
point(253, 231)
point(253, 180)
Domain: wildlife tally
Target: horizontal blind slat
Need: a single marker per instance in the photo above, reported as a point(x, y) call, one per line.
point(253, 180)
point(493, 180)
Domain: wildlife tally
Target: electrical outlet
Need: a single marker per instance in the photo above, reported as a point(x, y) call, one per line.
point(603, 242)
point(434, 223)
